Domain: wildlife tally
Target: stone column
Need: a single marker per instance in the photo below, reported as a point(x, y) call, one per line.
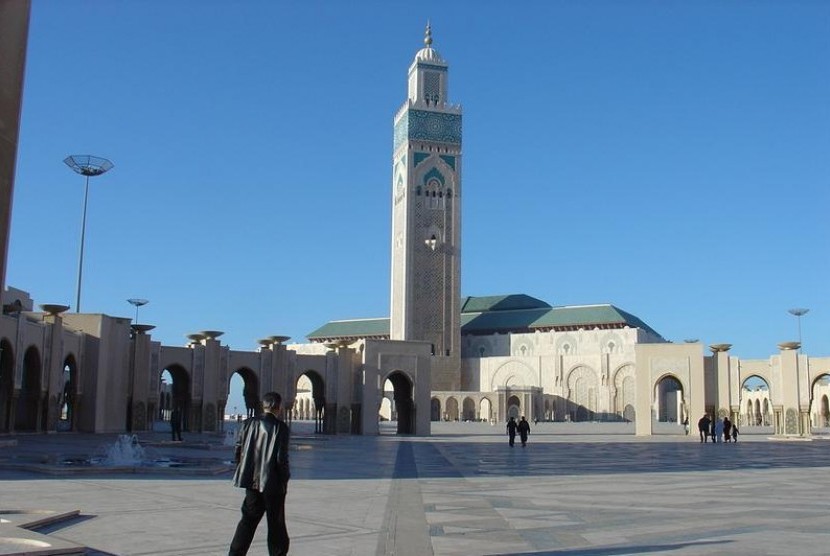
point(208, 406)
point(139, 386)
point(345, 388)
point(53, 364)
point(792, 385)
point(720, 353)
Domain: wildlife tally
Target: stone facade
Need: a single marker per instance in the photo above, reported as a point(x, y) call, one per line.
point(98, 373)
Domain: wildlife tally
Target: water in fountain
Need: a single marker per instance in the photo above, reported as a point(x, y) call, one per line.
point(125, 451)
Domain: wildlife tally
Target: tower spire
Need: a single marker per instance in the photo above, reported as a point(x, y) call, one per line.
point(428, 35)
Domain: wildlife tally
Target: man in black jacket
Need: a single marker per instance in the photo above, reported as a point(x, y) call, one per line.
point(262, 470)
point(703, 427)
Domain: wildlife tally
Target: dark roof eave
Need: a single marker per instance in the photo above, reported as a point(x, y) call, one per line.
point(324, 339)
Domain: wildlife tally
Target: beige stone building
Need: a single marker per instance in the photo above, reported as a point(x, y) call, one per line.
point(437, 356)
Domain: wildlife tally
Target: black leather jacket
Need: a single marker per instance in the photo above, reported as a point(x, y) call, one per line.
point(262, 453)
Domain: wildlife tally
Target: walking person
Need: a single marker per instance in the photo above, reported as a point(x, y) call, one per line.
point(511, 430)
point(718, 430)
point(262, 470)
point(176, 424)
point(524, 430)
point(734, 433)
point(703, 427)
point(727, 429)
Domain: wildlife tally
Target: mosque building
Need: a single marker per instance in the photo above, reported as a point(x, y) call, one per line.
point(438, 356)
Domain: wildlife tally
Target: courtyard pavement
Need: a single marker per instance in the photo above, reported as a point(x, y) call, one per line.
point(576, 489)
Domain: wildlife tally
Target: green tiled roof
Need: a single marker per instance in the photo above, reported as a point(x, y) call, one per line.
point(358, 328)
point(501, 303)
point(502, 314)
point(588, 315)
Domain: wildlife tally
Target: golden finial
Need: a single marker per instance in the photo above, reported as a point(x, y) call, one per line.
point(428, 36)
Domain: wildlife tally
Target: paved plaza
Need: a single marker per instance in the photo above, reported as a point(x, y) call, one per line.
point(576, 489)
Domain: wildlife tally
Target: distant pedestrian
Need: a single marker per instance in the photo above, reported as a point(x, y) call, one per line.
point(176, 424)
point(703, 427)
point(712, 429)
point(511, 430)
point(524, 430)
point(719, 430)
point(727, 429)
point(734, 433)
point(686, 425)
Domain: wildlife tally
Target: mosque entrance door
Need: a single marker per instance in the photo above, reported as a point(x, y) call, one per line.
point(514, 407)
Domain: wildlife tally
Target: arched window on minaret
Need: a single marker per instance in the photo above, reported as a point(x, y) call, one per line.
point(432, 87)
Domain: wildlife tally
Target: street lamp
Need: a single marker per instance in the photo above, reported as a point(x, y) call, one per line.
point(137, 303)
point(88, 166)
point(799, 312)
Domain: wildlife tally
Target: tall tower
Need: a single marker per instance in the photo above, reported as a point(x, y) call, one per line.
point(426, 217)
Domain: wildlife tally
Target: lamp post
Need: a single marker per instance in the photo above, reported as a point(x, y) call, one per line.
point(88, 166)
point(799, 312)
point(137, 303)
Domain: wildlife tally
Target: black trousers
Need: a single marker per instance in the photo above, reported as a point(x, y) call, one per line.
point(272, 504)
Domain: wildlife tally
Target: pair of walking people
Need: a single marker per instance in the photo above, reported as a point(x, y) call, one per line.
point(522, 427)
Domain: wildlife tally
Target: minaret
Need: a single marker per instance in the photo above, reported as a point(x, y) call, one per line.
point(426, 217)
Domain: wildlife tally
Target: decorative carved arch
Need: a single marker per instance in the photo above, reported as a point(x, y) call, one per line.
point(581, 371)
point(568, 339)
point(625, 387)
point(609, 337)
point(622, 372)
point(582, 384)
point(515, 373)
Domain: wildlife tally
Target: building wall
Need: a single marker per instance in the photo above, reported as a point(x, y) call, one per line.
point(14, 31)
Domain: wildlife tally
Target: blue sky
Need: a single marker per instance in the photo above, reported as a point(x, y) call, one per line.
point(668, 157)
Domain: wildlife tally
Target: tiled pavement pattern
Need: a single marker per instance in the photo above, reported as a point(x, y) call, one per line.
point(464, 492)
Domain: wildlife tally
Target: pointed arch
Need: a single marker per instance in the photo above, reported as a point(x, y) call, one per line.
point(30, 402)
point(513, 373)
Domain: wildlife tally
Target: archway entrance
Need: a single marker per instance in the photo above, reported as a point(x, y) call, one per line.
point(820, 404)
point(243, 392)
point(404, 403)
point(311, 399)
point(435, 409)
point(6, 384)
point(755, 404)
point(67, 397)
point(451, 411)
point(669, 405)
point(174, 393)
point(29, 405)
point(485, 410)
point(468, 410)
point(514, 407)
